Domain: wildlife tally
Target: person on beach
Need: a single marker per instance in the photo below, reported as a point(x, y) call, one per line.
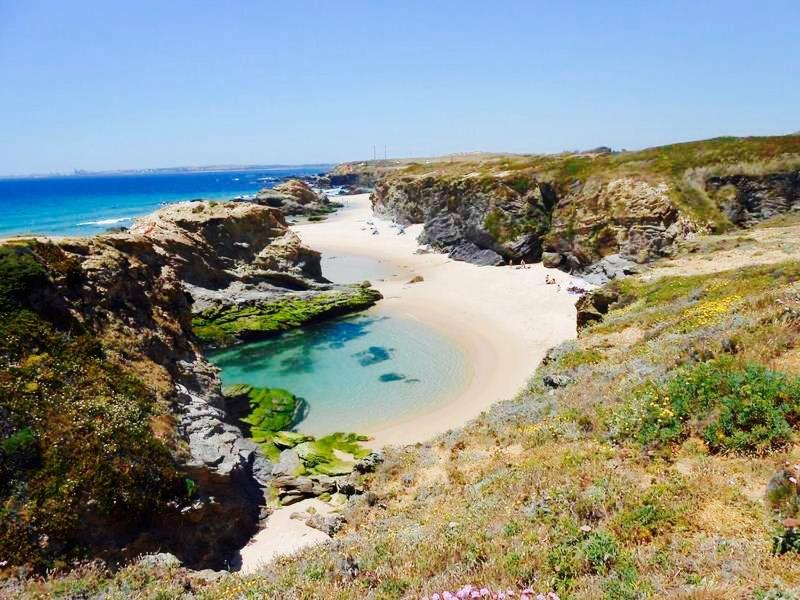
point(522, 263)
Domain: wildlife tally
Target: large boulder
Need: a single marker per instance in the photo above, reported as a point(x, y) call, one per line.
point(295, 197)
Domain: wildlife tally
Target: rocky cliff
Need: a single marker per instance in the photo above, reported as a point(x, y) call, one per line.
point(574, 210)
point(115, 437)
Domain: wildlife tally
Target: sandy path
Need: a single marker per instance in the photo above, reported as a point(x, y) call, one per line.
point(504, 318)
point(283, 535)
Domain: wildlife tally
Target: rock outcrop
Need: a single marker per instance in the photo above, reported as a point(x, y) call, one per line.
point(248, 275)
point(295, 197)
point(747, 199)
point(481, 220)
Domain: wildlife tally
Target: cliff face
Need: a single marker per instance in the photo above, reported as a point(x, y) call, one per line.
point(115, 438)
point(484, 220)
point(112, 419)
point(574, 210)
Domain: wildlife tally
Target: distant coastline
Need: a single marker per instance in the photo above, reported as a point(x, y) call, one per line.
point(171, 170)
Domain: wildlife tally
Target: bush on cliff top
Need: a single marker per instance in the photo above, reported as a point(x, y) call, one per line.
point(76, 445)
point(733, 408)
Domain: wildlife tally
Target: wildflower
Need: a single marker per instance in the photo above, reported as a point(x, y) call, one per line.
point(585, 528)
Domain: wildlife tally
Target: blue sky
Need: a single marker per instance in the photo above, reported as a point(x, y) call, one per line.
point(104, 85)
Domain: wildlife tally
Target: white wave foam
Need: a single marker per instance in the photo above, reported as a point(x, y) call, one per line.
point(107, 221)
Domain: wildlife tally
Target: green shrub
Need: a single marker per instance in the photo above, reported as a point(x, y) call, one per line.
point(749, 409)
point(579, 553)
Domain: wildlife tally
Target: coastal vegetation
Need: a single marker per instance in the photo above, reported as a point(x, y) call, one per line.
point(83, 439)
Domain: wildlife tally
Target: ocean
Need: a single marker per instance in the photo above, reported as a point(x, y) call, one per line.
point(91, 204)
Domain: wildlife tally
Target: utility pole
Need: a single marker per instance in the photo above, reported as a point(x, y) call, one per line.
point(384, 152)
point(374, 155)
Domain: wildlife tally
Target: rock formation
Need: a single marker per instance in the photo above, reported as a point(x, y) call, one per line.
point(574, 211)
point(295, 197)
point(248, 275)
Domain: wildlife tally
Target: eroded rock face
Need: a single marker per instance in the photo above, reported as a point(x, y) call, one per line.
point(477, 219)
point(500, 217)
point(747, 199)
point(623, 216)
point(212, 244)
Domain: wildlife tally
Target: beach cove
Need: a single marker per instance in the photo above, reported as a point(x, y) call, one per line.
point(502, 318)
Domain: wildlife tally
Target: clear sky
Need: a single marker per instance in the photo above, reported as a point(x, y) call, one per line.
point(110, 84)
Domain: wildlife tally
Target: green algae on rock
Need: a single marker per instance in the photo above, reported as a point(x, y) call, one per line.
point(224, 325)
point(270, 409)
point(331, 455)
point(271, 413)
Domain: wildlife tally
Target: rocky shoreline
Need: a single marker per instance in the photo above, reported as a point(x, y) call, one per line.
point(135, 293)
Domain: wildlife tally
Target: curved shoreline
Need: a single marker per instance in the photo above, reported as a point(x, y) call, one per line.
point(504, 318)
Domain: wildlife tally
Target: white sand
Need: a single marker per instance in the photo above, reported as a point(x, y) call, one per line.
point(283, 535)
point(504, 318)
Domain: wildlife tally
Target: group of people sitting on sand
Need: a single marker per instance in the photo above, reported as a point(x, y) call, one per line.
point(548, 279)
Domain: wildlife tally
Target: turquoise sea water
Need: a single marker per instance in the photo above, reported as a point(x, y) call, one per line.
point(90, 204)
point(356, 373)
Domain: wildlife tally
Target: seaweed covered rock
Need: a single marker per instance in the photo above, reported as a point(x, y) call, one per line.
point(222, 324)
point(266, 411)
point(247, 274)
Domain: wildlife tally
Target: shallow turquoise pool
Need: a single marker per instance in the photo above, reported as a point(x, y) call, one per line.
point(356, 373)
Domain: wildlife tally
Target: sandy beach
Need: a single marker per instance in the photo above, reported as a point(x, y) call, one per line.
point(504, 318)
